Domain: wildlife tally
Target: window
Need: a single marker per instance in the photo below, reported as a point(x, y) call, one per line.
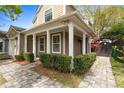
point(48, 15)
point(56, 43)
point(42, 44)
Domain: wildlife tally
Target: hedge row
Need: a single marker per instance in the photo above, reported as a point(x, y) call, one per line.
point(62, 63)
point(56, 61)
point(25, 56)
point(4, 56)
point(83, 63)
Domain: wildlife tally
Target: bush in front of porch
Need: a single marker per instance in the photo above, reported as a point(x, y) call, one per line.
point(29, 57)
point(82, 63)
point(56, 61)
point(57, 67)
point(62, 63)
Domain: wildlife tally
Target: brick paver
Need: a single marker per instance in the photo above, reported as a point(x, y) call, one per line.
point(19, 76)
point(100, 75)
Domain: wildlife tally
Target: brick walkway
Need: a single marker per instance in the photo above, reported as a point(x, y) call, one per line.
point(100, 75)
point(19, 76)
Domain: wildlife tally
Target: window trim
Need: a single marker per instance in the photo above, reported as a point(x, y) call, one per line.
point(44, 14)
point(59, 43)
point(44, 43)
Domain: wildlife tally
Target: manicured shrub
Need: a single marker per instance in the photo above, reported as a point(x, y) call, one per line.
point(83, 63)
point(19, 57)
point(56, 61)
point(29, 56)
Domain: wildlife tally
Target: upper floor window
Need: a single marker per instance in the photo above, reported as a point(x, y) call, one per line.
point(48, 15)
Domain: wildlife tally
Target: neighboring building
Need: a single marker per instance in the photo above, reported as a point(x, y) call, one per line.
point(57, 29)
point(3, 42)
point(15, 40)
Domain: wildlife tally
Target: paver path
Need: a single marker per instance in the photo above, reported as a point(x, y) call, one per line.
point(100, 75)
point(19, 76)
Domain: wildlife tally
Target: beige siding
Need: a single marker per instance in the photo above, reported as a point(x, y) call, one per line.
point(57, 12)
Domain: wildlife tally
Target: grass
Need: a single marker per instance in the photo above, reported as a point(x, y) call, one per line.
point(2, 80)
point(118, 71)
point(67, 79)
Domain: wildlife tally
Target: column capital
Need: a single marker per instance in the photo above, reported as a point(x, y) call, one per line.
point(70, 24)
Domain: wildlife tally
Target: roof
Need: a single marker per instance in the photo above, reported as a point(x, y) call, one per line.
point(64, 17)
point(17, 28)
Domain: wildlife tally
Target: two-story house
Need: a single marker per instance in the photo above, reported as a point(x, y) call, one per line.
point(57, 29)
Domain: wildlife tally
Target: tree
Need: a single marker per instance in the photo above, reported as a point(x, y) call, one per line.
point(12, 11)
point(102, 17)
point(116, 32)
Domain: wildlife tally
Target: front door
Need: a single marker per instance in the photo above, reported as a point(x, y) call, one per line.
point(13, 47)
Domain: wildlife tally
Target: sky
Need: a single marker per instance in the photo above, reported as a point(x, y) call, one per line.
point(25, 19)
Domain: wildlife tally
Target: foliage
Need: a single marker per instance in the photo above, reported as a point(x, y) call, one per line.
point(56, 61)
point(4, 56)
point(19, 57)
point(29, 56)
point(118, 71)
point(102, 17)
point(116, 32)
point(12, 11)
point(83, 63)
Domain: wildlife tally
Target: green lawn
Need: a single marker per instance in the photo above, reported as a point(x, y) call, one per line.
point(2, 80)
point(118, 71)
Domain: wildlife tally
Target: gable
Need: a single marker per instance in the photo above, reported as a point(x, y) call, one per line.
point(12, 33)
point(57, 11)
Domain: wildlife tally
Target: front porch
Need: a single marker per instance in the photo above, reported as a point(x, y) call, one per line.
point(68, 40)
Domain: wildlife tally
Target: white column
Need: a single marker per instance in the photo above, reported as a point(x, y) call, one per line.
point(63, 42)
point(48, 41)
point(84, 43)
point(18, 51)
point(25, 43)
point(34, 44)
point(71, 42)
